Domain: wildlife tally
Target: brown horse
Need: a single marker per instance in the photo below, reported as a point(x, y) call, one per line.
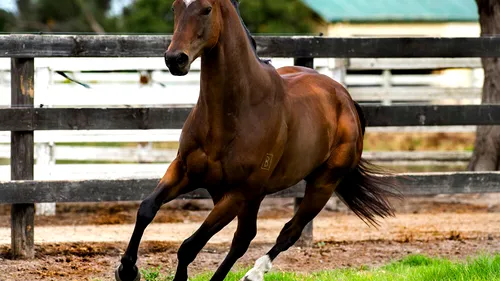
point(255, 131)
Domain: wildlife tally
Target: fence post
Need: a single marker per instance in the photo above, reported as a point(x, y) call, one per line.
point(339, 70)
point(22, 158)
point(44, 151)
point(386, 85)
point(307, 234)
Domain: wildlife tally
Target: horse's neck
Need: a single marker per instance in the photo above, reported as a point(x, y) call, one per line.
point(230, 73)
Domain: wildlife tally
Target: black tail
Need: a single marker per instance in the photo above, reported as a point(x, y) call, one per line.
point(367, 188)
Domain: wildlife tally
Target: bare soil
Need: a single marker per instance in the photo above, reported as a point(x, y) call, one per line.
point(97, 261)
point(85, 241)
point(74, 214)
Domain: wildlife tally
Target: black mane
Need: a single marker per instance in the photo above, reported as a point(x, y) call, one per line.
point(236, 5)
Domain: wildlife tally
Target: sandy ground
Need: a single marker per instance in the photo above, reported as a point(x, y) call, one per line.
point(85, 241)
point(337, 227)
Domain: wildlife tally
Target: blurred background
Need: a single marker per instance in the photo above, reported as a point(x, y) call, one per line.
point(142, 16)
point(332, 17)
point(118, 82)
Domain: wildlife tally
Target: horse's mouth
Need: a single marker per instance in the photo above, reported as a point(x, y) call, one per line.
point(178, 72)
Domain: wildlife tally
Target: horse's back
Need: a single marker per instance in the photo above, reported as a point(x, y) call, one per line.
point(295, 69)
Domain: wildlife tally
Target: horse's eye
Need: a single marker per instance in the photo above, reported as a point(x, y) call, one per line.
point(173, 9)
point(207, 11)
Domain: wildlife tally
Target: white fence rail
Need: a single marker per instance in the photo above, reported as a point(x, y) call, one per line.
point(145, 81)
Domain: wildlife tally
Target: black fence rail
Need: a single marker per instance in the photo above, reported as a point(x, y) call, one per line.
point(27, 119)
point(267, 46)
point(24, 119)
point(20, 192)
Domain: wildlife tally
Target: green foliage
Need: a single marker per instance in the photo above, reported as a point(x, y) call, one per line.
point(7, 20)
point(148, 16)
point(261, 16)
point(153, 274)
point(277, 16)
point(61, 16)
point(414, 268)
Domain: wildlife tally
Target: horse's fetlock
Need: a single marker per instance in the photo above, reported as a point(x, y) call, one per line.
point(127, 261)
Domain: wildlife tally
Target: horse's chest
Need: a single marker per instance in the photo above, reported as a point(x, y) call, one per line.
point(225, 169)
point(200, 167)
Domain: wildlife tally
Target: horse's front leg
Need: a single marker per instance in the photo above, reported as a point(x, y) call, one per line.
point(245, 233)
point(172, 185)
point(225, 210)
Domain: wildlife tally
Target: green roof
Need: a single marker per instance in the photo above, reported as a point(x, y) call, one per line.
point(394, 10)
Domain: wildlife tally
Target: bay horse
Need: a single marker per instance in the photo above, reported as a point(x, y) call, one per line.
point(255, 131)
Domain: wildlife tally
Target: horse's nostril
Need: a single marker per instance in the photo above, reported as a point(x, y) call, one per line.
point(182, 59)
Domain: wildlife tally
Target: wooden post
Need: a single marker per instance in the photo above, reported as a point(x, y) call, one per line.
point(306, 239)
point(22, 159)
point(44, 152)
point(339, 71)
point(386, 85)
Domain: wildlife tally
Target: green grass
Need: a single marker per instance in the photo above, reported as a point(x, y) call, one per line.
point(412, 268)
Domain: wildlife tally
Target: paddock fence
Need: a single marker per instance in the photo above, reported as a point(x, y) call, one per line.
point(23, 118)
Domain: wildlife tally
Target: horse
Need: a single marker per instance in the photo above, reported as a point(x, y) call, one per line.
point(254, 131)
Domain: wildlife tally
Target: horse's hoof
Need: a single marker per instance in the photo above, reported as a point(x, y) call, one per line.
point(135, 272)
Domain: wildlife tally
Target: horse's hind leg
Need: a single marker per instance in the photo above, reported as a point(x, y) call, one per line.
point(245, 233)
point(315, 198)
point(224, 211)
point(173, 184)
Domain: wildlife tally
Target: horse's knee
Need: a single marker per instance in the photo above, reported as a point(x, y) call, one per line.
point(147, 211)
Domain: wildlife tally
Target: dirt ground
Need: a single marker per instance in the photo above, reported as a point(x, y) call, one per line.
point(85, 241)
point(96, 261)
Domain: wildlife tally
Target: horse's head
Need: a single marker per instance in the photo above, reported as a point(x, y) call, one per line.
point(197, 27)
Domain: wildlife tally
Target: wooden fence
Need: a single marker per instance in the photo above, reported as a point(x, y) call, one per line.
point(142, 82)
point(22, 119)
point(139, 82)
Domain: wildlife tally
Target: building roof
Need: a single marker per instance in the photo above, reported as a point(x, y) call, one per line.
point(395, 10)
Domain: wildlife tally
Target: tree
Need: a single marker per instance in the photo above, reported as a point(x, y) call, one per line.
point(486, 156)
point(272, 16)
point(7, 20)
point(148, 16)
point(64, 16)
point(261, 16)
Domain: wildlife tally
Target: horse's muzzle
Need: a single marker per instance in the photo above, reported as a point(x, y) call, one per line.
point(177, 63)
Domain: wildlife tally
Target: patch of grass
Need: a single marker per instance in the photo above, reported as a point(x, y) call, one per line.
point(156, 145)
point(97, 144)
point(424, 169)
point(418, 141)
point(414, 268)
point(100, 162)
